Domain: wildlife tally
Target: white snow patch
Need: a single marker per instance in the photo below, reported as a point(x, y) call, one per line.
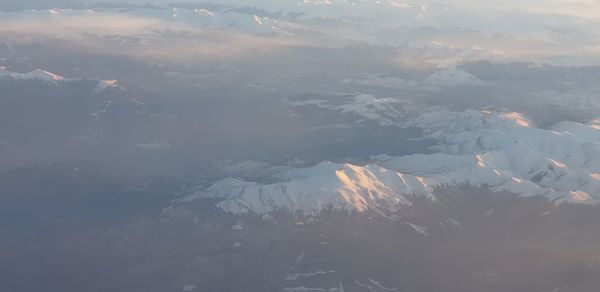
point(418, 228)
point(557, 163)
point(105, 84)
point(258, 20)
point(339, 288)
point(204, 11)
point(296, 276)
point(375, 286)
point(454, 222)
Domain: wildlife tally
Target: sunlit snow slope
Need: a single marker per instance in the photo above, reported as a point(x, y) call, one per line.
point(500, 151)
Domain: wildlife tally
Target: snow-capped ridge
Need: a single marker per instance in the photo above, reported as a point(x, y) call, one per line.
point(326, 185)
point(52, 78)
point(105, 84)
point(498, 151)
point(36, 75)
point(386, 111)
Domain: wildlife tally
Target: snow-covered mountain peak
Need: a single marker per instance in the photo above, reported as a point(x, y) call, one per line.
point(471, 120)
point(499, 151)
point(105, 84)
point(49, 77)
point(36, 74)
point(386, 111)
point(43, 75)
point(313, 189)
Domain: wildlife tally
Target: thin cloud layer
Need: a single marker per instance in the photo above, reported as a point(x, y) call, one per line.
point(438, 34)
point(77, 23)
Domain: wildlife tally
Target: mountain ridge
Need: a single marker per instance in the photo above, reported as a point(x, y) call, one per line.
point(501, 151)
point(49, 77)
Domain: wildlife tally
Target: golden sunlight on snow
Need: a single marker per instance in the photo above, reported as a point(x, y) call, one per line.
point(480, 161)
point(361, 175)
point(422, 181)
point(580, 196)
point(557, 164)
point(349, 192)
point(518, 118)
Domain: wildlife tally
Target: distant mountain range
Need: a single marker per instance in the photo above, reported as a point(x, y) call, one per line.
point(503, 151)
point(43, 112)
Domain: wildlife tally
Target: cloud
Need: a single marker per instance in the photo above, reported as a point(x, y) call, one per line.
point(446, 34)
point(380, 81)
point(143, 36)
point(77, 23)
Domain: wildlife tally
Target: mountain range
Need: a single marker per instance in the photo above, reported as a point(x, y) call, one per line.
point(503, 152)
